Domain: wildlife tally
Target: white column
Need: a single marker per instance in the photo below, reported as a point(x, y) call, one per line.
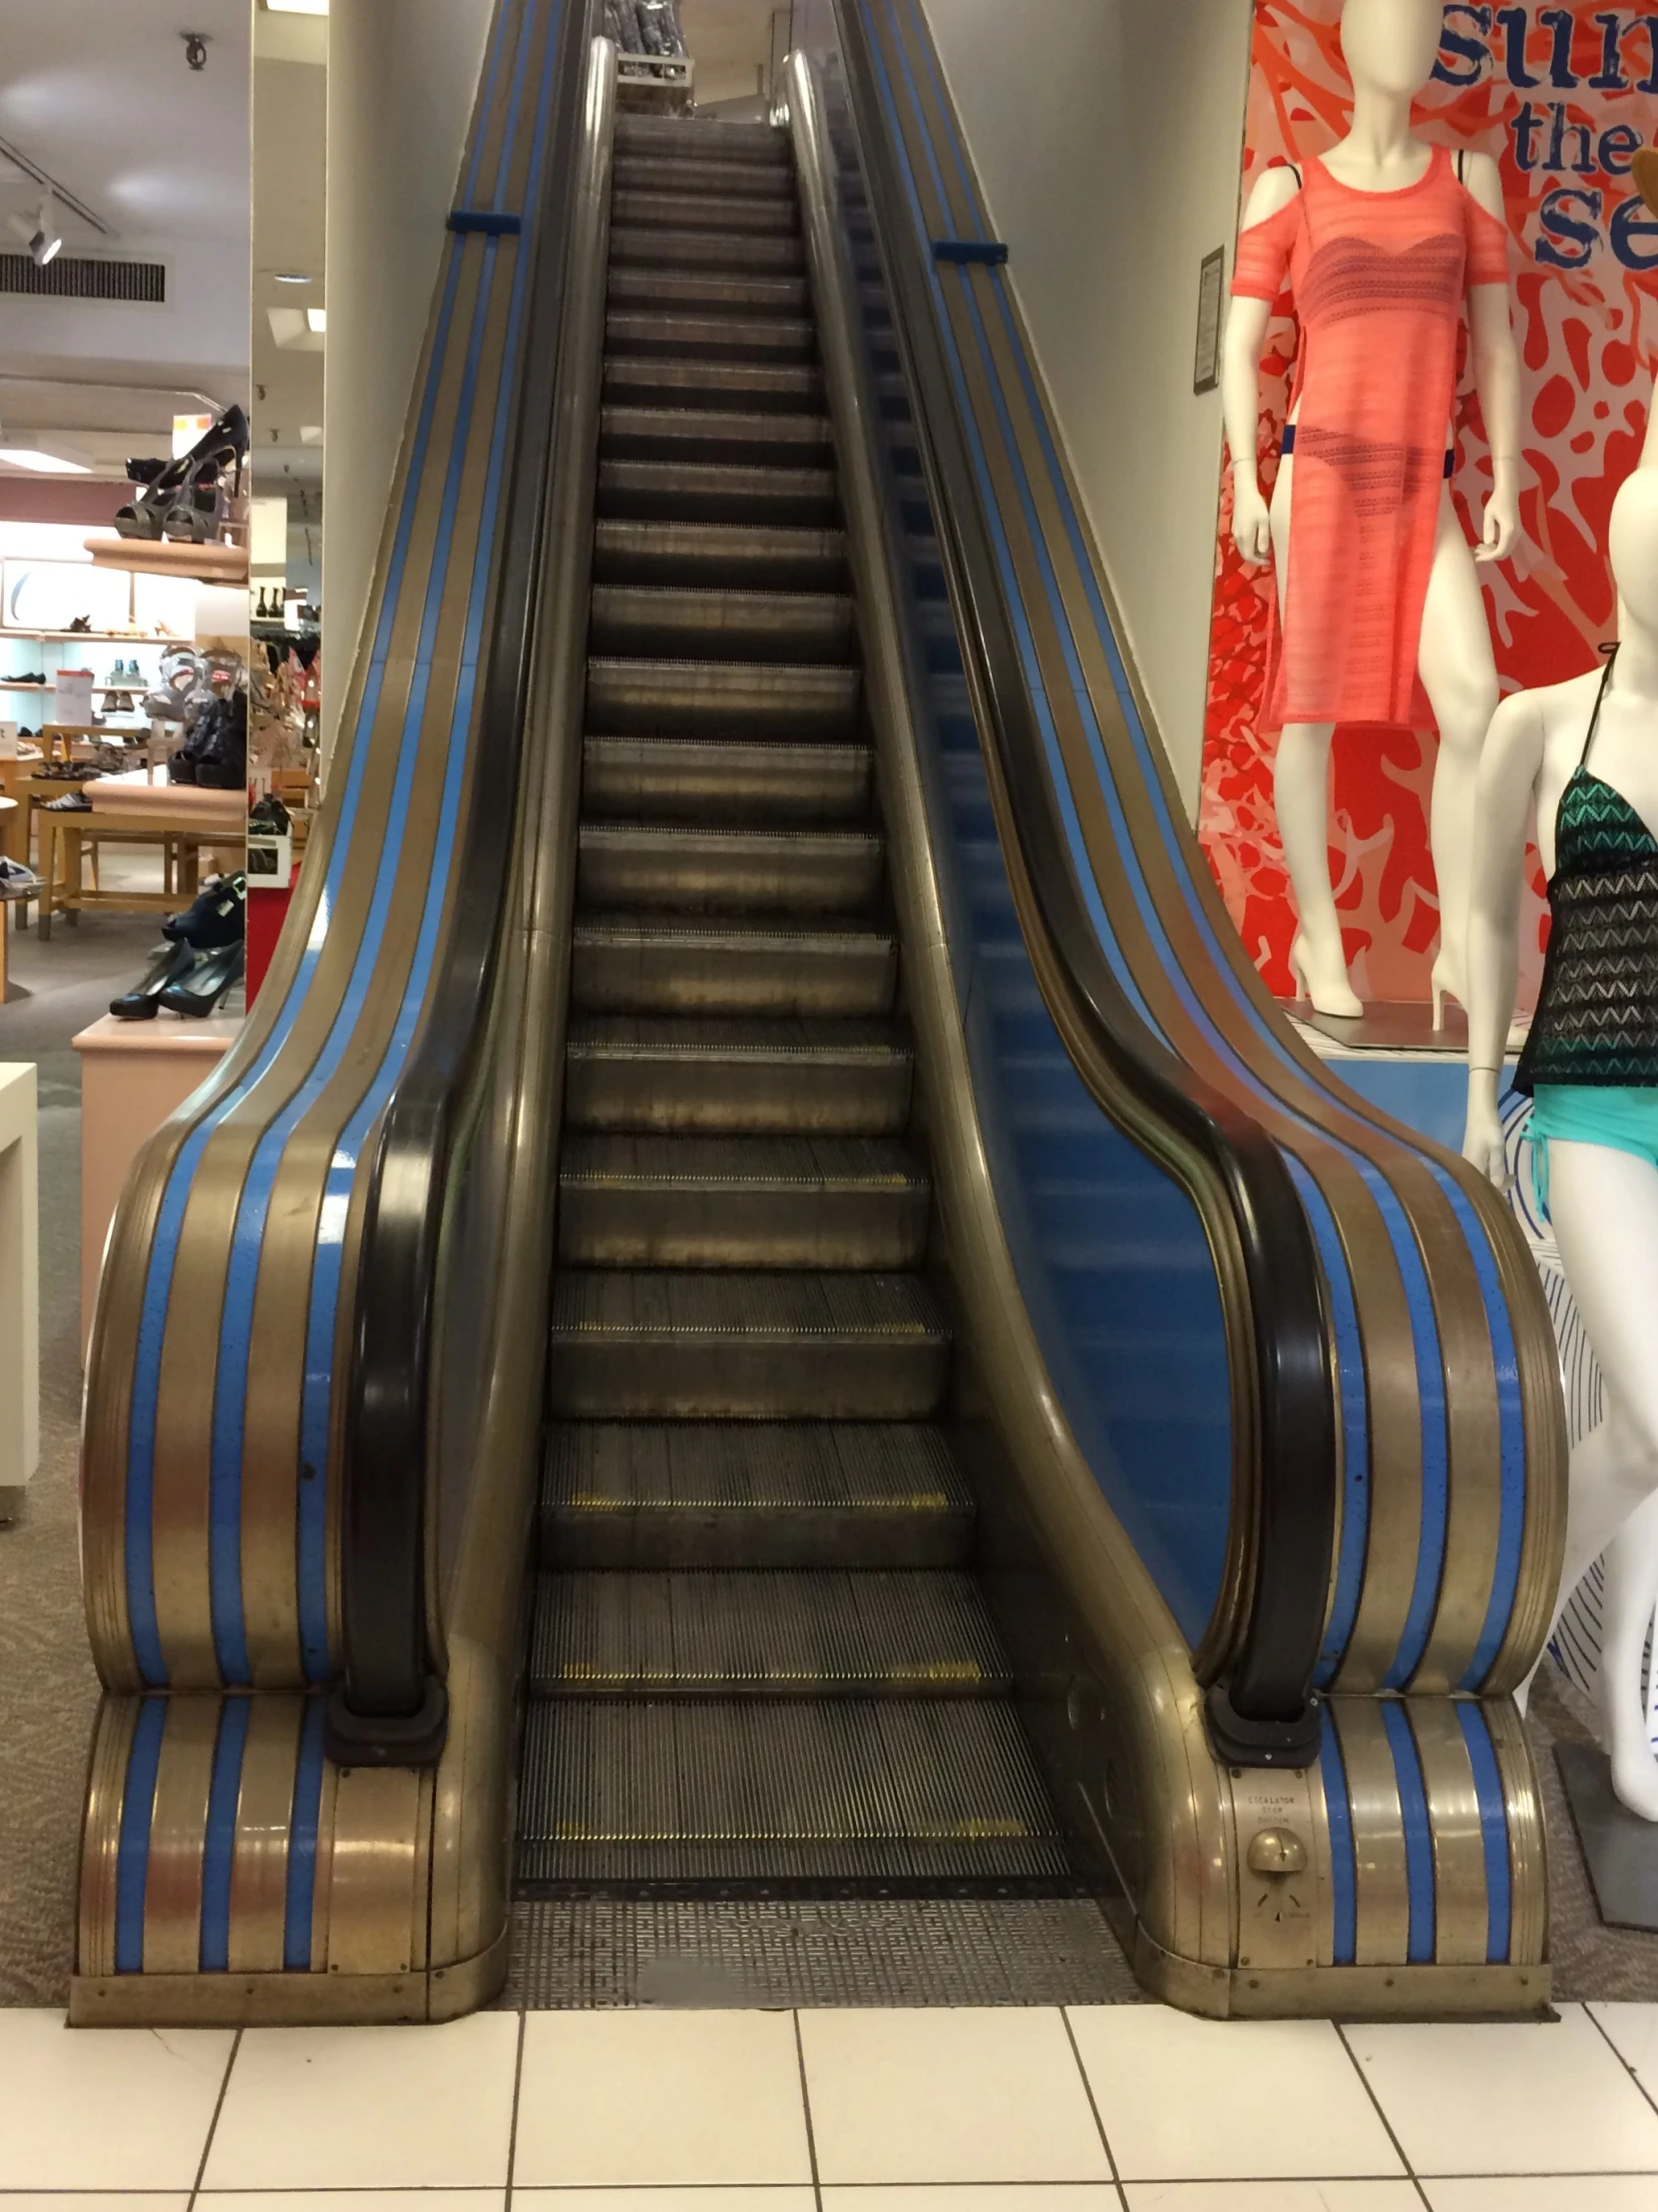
point(402, 80)
point(19, 1284)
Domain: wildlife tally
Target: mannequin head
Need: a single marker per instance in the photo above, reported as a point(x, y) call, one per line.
point(1390, 46)
point(1632, 548)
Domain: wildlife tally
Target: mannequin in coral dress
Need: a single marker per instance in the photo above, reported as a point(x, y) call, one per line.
point(1385, 242)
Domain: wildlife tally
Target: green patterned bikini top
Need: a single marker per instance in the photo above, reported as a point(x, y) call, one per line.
point(1597, 1013)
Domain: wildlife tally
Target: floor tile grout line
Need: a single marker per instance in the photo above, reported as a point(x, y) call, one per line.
point(213, 2124)
point(512, 2133)
point(1094, 2107)
point(1590, 2004)
point(806, 2108)
point(1370, 2091)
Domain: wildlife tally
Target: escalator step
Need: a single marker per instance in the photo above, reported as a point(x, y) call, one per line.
point(704, 138)
point(709, 1493)
point(633, 1072)
point(644, 964)
point(710, 337)
point(690, 491)
point(738, 214)
point(759, 1633)
point(715, 623)
point(637, 286)
point(698, 175)
point(648, 380)
point(758, 1790)
point(673, 1346)
point(741, 1201)
point(685, 869)
point(766, 439)
point(731, 253)
point(720, 552)
point(700, 780)
point(721, 699)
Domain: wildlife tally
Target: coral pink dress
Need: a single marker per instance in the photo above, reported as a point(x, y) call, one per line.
point(1378, 282)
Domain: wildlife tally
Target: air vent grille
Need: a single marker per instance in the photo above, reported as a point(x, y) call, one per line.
point(77, 277)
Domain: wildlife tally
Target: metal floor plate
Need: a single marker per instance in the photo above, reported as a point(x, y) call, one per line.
point(587, 1954)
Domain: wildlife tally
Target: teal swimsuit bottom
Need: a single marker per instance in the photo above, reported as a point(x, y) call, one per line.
point(1624, 1118)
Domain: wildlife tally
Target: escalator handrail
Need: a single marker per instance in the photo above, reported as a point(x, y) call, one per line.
point(387, 1707)
point(1261, 1707)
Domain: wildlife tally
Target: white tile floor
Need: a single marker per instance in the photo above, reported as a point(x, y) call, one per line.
point(1097, 2109)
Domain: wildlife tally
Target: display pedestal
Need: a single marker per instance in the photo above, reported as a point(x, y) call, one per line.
point(133, 1076)
point(19, 1285)
point(1390, 1026)
point(1620, 1849)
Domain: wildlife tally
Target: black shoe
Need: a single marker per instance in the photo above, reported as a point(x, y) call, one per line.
point(218, 917)
point(207, 983)
point(82, 621)
point(169, 967)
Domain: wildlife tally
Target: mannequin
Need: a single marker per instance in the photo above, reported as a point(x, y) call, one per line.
point(1380, 612)
point(1586, 751)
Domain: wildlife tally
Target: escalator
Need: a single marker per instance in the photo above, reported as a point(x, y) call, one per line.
point(766, 1308)
point(759, 1653)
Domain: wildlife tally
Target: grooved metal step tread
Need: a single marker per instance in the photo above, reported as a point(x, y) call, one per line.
point(786, 388)
point(689, 138)
point(654, 1037)
point(718, 553)
point(755, 294)
point(752, 1493)
point(716, 436)
point(766, 1077)
point(644, 245)
point(689, 868)
point(639, 964)
point(702, 176)
point(716, 622)
point(725, 699)
point(741, 1162)
point(718, 213)
point(764, 1633)
point(750, 337)
point(929, 1789)
point(764, 1307)
point(706, 491)
point(728, 780)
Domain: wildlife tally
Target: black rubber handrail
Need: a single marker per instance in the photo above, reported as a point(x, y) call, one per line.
point(1261, 1707)
point(388, 1707)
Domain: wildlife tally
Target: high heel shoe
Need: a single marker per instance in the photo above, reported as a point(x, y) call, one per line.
point(209, 977)
point(169, 967)
point(1327, 997)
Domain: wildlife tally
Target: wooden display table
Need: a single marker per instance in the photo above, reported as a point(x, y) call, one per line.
point(133, 1076)
point(149, 815)
point(8, 812)
point(19, 1287)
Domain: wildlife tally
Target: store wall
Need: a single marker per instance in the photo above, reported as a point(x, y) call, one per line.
point(1107, 137)
point(402, 77)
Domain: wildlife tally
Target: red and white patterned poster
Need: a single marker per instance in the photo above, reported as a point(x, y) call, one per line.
point(1563, 97)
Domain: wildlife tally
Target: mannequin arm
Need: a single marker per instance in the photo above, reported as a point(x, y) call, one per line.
point(1496, 377)
point(1509, 767)
point(1240, 380)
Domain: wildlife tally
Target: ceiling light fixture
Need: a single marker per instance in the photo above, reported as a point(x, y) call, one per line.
point(45, 240)
point(291, 277)
point(43, 464)
point(297, 7)
point(317, 320)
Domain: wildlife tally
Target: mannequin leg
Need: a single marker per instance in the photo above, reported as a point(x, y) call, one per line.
point(1301, 794)
point(1458, 674)
point(1631, 1589)
point(1301, 789)
point(1604, 1208)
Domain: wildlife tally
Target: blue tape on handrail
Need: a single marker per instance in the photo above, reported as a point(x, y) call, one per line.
point(491, 223)
point(990, 251)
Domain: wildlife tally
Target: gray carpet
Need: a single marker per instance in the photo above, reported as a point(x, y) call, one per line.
point(48, 1691)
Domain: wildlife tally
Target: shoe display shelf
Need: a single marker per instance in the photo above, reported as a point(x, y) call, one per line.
point(205, 564)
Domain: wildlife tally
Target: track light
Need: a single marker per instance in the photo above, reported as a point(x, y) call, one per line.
point(44, 240)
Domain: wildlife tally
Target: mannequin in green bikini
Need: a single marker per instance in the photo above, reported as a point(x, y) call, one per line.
point(1586, 753)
